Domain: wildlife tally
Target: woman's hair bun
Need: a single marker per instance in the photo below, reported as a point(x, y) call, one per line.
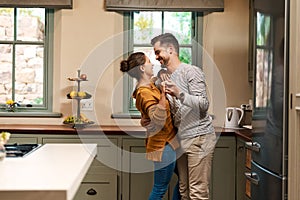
point(124, 67)
point(131, 65)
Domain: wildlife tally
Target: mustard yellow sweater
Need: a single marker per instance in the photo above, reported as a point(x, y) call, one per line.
point(162, 130)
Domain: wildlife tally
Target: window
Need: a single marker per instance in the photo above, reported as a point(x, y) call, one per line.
point(26, 59)
point(143, 26)
point(263, 60)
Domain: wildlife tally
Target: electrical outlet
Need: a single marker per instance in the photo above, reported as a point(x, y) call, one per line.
point(87, 104)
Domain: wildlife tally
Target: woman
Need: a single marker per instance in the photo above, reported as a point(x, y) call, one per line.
point(161, 141)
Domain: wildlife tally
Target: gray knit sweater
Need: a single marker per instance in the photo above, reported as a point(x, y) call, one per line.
point(190, 110)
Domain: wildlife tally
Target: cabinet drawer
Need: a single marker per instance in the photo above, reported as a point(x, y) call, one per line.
point(105, 188)
point(107, 151)
point(23, 140)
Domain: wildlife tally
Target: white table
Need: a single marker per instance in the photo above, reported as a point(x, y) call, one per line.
point(52, 172)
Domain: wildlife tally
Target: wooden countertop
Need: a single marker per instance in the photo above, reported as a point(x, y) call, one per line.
point(245, 134)
point(64, 129)
point(45, 174)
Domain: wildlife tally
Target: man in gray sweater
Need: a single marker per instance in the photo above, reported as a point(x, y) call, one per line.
point(186, 88)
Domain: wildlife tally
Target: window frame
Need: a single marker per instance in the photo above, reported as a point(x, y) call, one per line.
point(46, 109)
point(197, 38)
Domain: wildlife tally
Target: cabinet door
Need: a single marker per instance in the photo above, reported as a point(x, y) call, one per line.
point(240, 169)
point(137, 175)
point(136, 186)
point(223, 170)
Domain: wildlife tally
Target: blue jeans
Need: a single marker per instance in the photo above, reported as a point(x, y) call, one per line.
point(176, 193)
point(163, 173)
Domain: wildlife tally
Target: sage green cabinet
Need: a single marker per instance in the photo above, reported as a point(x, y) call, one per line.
point(136, 186)
point(121, 172)
point(101, 180)
point(23, 140)
point(223, 169)
point(98, 187)
point(240, 169)
point(137, 171)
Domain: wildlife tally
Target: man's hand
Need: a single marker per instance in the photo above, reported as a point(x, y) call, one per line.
point(162, 101)
point(172, 89)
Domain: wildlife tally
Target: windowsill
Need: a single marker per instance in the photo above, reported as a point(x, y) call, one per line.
point(31, 114)
point(126, 116)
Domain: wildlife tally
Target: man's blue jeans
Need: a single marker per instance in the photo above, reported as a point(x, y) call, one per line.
point(163, 173)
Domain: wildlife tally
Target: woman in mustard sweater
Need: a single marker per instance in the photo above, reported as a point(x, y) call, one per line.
point(161, 141)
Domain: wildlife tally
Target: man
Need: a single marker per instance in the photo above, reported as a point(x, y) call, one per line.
point(189, 106)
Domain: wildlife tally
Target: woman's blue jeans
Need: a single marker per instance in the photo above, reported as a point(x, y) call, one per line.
point(163, 173)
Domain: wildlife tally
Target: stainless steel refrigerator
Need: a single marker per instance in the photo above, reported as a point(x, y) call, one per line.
point(268, 174)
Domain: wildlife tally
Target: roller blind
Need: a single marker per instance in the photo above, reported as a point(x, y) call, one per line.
point(165, 5)
point(37, 3)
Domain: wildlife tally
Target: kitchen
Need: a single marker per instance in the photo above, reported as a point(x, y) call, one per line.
point(80, 29)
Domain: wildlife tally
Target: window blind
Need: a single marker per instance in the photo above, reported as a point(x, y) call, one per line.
point(59, 4)
point(165, 5)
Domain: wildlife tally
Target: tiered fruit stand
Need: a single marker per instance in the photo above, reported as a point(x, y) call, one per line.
point(79, 120)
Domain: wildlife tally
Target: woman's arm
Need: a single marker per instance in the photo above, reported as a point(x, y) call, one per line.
point(158, 112)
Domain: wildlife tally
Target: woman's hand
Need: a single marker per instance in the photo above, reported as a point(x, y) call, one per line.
point(145, 121)
point(163, 75)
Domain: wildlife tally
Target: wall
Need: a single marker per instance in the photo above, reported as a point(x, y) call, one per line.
point(87, 36)
point(226, 40)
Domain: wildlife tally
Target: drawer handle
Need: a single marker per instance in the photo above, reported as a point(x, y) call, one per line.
point(252, 177)
point(254, 146)
point(91, 192)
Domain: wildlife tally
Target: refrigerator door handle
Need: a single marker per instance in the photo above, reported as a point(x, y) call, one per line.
point(252, 177)
point(254, 146)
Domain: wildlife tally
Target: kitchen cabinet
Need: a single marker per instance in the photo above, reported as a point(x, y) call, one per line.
point(240, 169)
point(23, 140)
point(223, 171)
point(137, 184)
point(100, 178)
point(96, 187)
point(107, 150)
point(113, 169)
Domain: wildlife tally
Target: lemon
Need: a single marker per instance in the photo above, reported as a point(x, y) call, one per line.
point(73, 94)
point(81, 94)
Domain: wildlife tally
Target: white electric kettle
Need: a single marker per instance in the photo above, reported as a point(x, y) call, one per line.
point(233, 117)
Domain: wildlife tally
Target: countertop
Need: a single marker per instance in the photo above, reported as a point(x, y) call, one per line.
point(53, 171)
point(243, 133)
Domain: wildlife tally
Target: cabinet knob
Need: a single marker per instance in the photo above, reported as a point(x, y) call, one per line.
point(241, 148)
point(91, 192)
